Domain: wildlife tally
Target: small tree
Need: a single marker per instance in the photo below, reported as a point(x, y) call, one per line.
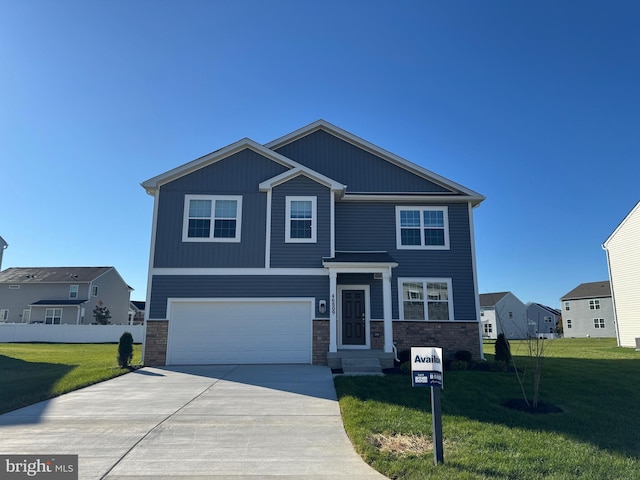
point(101, 314)
point(502, 350)
point(125, 350)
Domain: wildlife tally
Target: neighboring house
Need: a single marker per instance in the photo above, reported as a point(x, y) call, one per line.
point(62, 295)
point(136, 312)
point(543, 320)
point(587, 311)
point(313, 245)
point(3, 247)
point(623, 259)
point(503, 312)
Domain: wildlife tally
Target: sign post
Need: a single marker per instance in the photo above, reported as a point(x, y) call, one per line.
point(426, 371)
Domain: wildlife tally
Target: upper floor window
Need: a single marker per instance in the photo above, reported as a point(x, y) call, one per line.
point(94, 290)
point(301, 220)
point(567, 306)
point(594, 304)
point(547, 319)
point(212, 218)
point(422, 228)
point(425, 299)
point(73, 291)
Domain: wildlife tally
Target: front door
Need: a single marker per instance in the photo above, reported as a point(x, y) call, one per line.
point(353, 317)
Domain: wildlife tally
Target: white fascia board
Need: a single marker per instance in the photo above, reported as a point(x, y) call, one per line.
point(378, 151)
point(307, 172)
point(360, 266)
point(624, 220)
point(156, 182)
point(436, 198)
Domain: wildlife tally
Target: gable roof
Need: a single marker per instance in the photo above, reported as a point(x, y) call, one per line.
point(307, 172)
point(52, 274)
point(589, 290)
point(633, 211)
point(457, 192)
point(551, 310)
point(325, 126)
point(491, 299)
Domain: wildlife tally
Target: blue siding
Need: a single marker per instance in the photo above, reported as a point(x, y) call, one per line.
point(360, 170)
point(371, 226)
point(239, 174)
point(257, 286)
point(375, 290)
point(300, 255)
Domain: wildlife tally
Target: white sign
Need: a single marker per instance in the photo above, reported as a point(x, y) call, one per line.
point(426, 367)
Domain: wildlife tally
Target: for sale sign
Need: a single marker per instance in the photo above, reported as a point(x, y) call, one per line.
point(426, 367)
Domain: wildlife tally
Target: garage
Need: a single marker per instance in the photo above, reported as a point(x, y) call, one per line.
point(243, 331)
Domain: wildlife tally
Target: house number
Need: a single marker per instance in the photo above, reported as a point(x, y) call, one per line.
point(333, 303)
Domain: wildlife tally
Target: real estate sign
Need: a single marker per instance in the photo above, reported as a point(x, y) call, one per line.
point(426, 367)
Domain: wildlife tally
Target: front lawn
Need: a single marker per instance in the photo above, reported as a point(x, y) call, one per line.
point(31, 372)
point(595, 383)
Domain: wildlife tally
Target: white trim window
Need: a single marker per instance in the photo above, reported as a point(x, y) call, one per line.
point(73, 291)
point(567, 306)
point(425, 299)
point(594, 304)
point(569, 323)
point(4, 314)
point(53, 316)
point(94, 290)
point(301, 220)
point(425, 228)
point(26, 315)
point(598, 323)
point(212, 218)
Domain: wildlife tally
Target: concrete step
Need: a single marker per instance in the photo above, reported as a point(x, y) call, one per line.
point(361, 368)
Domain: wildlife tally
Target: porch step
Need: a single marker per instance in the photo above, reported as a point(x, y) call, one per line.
point(361, 365)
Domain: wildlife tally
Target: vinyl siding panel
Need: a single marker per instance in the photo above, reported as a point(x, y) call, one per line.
point(239, 174)
point(211, 286)
point(372, 226)
point(360, 170)
point(300, 255)
point(582, 316)
point(624, 266)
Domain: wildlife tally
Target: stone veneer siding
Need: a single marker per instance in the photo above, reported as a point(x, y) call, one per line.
point(155, 350)
point(320, 342)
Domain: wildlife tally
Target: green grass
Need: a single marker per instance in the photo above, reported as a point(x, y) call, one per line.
point(597, 436)
point(31, 372)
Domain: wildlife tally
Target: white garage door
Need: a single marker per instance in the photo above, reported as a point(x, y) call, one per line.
point(240, 331)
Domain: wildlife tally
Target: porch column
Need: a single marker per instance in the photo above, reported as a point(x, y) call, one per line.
point(387, 311)
point(333, 309)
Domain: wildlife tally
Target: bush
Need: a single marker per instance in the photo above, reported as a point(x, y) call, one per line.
point(463, 356)
point(502, 350)
point(125, 350)
point(458, 365)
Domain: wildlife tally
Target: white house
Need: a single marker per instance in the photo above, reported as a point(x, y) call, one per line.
point(587, 311)
point(503, 312)
point(623, 259)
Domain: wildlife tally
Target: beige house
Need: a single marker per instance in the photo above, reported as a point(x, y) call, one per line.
point(623, 259)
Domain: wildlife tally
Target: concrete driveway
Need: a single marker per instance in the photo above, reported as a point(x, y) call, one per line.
point(231, 421)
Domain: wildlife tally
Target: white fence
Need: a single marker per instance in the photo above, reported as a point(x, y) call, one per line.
point(24, 332)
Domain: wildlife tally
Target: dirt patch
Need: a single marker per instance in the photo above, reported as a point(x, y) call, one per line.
point(401, 444)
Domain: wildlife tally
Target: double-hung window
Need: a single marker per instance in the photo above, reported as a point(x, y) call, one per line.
point(594, 304)
point(4, 314)
point(212, 218)
point(73, 291)
point(598, 322)
point(422, 228)
point(425, 299)
point(53, 316)
point(301, 220)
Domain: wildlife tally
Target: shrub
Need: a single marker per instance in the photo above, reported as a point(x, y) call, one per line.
point(463, 356)
point(502, 350)
point(458, 365)
point(125, 350)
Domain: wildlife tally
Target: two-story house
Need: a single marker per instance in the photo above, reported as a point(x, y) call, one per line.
point(587, 311)
point(543, 320)
point(62, 295)
point(312, 245)
point(503, 312)
point(623, 259)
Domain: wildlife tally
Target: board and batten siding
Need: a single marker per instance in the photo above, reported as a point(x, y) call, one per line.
point(372, 226)
point(235, 286)
point(238, 174)
point(623, 254)
point(360, 170)
point(300, 255)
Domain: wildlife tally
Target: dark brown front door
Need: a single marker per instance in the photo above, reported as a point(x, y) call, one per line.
point(353, 317)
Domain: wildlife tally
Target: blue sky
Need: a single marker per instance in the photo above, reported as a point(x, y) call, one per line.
point(536, 105)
